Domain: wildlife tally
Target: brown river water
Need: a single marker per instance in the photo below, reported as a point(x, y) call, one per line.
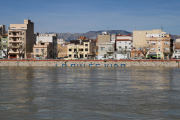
point(60, 93)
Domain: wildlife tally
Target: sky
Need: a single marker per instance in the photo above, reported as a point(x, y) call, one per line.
point(80, 16)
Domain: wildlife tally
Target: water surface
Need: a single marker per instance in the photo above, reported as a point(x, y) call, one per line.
point(89, 93)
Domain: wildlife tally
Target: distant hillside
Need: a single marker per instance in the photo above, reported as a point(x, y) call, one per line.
point(90, 34)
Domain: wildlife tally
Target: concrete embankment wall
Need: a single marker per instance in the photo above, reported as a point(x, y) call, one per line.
point(92, 63)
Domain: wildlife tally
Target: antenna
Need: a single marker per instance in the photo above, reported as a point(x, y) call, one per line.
point(135, 28)
point(28, 17)
point(161, 27)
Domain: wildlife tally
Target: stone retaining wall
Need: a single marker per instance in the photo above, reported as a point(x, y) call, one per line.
point(92, 63)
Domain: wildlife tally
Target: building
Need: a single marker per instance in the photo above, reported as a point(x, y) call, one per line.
point(139, 37)
point(105, 50)
point(49, 38)
point(21, 38)
point(4, 45)
point(113, 38)
point(2, 30)
point(42, 50)
point(60, 41)
point(160, 46)
point(76, 51)
point(63, 50)
point(176, 53)
point(104, 37)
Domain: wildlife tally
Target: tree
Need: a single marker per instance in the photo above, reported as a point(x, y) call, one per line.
point(54, 52)
point(123, 51)
point(5, 50)
point(110, 51)
point(144, 50)
point(21, 50)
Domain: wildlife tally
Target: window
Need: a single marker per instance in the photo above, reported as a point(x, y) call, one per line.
point(70, 49)
point(42, 43)
point(159, 49)
point(178, 56)
point(20, 38)
point(23, 38)
point(125, 41)
point(159, 43)
point(167, 43)
point(20, 33)
point(9, 33)
point(69, 55)
point(164, 42)
point(167, 48)
point(42, 50)
point(119, 41)
point(125, 47)
point(152, 49)
point(86, 49)
point(75, 50)
point(86, 44)
point(37, 50)
point(102, 48)
point(153, 43)
point(85, 55)
point(9, 38)
point(75, 56)
point(138, 54)
point(23, 33)
point(148, 42)
point(4, 41)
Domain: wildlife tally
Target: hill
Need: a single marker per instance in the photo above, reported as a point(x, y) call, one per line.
point(90, 34)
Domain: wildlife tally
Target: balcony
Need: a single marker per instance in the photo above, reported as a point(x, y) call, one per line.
point(13, 52)
point(15, 41)
point(15, 35)
point(14, 46)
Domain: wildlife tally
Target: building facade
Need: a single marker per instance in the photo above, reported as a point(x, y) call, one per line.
point(160, 46)
point(42, 50)
point(4, 45)
point(2, 30)
point(76, 51)
point(139, 37)
point(105, 50)
point(49, 38)
point(21, 35)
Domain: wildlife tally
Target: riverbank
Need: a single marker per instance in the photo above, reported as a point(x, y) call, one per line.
point(92, 63)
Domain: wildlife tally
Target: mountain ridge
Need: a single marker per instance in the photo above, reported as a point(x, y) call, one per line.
point(90, 34)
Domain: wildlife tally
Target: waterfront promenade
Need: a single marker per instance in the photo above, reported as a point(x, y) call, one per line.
point(92, 63)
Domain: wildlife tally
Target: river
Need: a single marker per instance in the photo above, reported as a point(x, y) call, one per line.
point(89, 93)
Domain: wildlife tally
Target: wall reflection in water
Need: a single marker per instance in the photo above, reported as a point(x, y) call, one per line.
point(89, 92)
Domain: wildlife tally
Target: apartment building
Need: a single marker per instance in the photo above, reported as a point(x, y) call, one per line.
point(139, 37)
point(2, 30)
point(42, 50)
point(60, 41)
point(4, 45)
point(21, 35)
point(75, 51)
point(160, 46)
point(48, 38)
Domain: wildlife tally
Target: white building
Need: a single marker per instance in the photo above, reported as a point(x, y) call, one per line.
point(60, 41)
point(123, 46)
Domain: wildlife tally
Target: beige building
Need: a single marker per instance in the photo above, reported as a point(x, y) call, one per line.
point(160, 45)
point(42, 49)
point(21, 35)
point(105, 50)
point(104, 37)
point(139, 37)
point(75, 51)
point(62, 50)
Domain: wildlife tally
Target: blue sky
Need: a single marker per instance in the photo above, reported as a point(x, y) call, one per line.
point(79, 16)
